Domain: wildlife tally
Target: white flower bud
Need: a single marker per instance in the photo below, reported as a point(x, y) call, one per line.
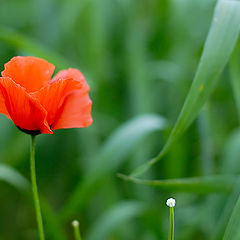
point(75, 223)
point(171, 202)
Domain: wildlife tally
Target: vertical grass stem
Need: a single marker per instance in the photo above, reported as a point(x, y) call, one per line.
point(171, 204)
point(77, 234)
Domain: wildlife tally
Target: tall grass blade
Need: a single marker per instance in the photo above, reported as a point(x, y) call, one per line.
point(113, 219)
point(24, 43)
point(235, 76)
point(198, 185)
point(171, 224)
point(12, 177)
point(219, 45)
point(111, 155)
point(232, 231)
point(217, 233)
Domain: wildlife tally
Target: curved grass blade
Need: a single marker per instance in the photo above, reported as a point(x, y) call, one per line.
point(198, 185)
point(232, 231)
point(230, 165)
point(22, 42)
point(219, 45)
point(235, 76)
point(12, 177)
point(122, 141)
point(113, 219)
point(217, 233)
point(231, 152)
point(109, 158)
point(53, 227)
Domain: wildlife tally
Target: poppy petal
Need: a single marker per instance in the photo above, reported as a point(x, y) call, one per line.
point(30, 72)
point(52, 96)
point(72, 73)
point(3, 108)
point(25, 111)
point(75, 111)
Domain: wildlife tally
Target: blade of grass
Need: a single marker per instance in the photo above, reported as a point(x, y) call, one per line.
point(217, 233)
point(219, 45)
point(171, 225)
point(110, 156)
point(22, 42)
point(53, 228)
point(12, 177)
point(199, 185)
point(206, 141)
point(114, 218)
point(235, 76)
point(122, 141)
point(230, 165)
point(77, 233)
point(232, 231)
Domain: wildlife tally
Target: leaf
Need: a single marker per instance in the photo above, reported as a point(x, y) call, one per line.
point(230, 165)
point(115, 218)
point(235, 76)
point(12, 177)
point(218, 231)
point(53, 228)
point(231, 153)
point(219, 45)
point(19, 41)
point(110, 156)
point(199, 185)
point(122, 141)
point(232, 231)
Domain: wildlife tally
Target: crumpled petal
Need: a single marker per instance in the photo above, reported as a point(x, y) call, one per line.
point(25, 111)
point(75, 111)
point(3, 108)
point(30, 72)
point(53, 96)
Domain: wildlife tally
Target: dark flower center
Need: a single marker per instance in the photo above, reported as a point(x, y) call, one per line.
point(31, 132)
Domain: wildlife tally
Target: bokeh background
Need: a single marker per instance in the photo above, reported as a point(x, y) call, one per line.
point(139, 57)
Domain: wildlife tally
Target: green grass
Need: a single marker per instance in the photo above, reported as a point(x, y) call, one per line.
point(139, 57)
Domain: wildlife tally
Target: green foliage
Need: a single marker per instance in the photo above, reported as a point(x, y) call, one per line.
point(139, 58)
point(110, 157)
point(199, 185)
point(219, 45)
point(233, 227)
point(119, 215)
point(13, 177)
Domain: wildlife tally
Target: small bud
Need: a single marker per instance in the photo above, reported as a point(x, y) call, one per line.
point(75, 223)
point(171, 202)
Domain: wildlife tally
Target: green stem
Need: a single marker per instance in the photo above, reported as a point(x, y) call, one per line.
point(35, 190)
point(77, 234)
point(171, 224)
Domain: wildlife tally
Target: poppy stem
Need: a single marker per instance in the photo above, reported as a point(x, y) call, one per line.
point(34, 189)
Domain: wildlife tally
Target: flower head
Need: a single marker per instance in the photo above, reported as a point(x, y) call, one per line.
point(171, 202)
point(75, 223)
point(37, 105)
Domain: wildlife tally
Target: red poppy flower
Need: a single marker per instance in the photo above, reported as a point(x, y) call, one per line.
point(37, 105)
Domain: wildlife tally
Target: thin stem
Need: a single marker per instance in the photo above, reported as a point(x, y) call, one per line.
point(171, 224)
point(77, 234)
point(35, 190)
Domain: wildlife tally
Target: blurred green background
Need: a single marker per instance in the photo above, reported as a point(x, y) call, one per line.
point(139, 57)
